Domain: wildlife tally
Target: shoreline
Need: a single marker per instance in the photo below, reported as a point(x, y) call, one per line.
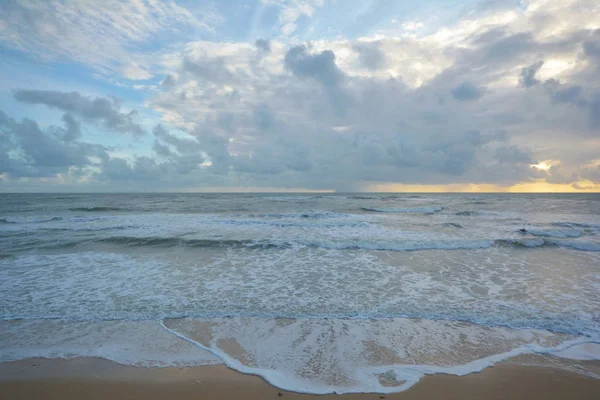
point(95, 378)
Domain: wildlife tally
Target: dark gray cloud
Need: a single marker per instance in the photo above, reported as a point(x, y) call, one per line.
point(99, 109)
point(320, 66)
point(72, 130)
point(168, 81)
point(181, 145)
point(265, 119)
point(591, 47)
point(571, 94)
point(141, 169)
point(594, 113)
point(556, 175)
point(28, 151)
point(513, 155)
point(263, 45)
point(370, 55)
point(467, 91)
point(528, 78)
point(501, 49)
point(212, 70)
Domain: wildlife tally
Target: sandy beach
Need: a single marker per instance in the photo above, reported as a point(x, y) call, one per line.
point(92, 378)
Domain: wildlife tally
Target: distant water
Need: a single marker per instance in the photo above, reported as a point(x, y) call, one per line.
point(316, 293)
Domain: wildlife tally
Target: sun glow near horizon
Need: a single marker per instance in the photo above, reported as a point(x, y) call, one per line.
point(539, 186)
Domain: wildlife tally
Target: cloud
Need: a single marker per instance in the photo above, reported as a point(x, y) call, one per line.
point(594, 112)
point(265, 119)
point(106, 35)
point(514, 155)
point(591, 48)
point(28, 151)
point(263, 45)
point(97, 109)
point(169, 80)
point(467, 91)
point(320, 66)
point(528, 78)
point(445, 105)
point(290, 11)
point(568, 95)
point(370, 55)
point(208, 69)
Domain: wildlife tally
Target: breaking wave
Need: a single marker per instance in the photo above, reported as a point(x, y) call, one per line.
point(404, 210)
point(345, 244)
point(26, 220)
point(96, 209)
point(556, 233)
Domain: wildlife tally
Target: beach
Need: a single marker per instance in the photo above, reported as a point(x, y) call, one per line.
point(93, 378)
point(300, 293)
point(304, 199)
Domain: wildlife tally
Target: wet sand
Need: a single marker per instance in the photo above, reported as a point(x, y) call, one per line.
point(89, 378)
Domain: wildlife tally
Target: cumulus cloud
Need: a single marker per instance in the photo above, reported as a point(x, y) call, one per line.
point(567, 95)
point(263, 45)
point(528, 78)
point(447, 105)
point(594, 112)
point(319, 66)
point(370, 55)
point(99, 109)
point(467, 91)
point(28, 151)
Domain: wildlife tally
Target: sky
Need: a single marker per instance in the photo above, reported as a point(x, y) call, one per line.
point(299, 95)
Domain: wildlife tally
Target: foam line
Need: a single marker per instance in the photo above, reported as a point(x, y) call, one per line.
point(369, 383)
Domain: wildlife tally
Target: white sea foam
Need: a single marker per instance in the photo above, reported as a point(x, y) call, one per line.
point(340, 356)
point(486, 287)
point(140, 343)
point(304, 355)
point(583, 351)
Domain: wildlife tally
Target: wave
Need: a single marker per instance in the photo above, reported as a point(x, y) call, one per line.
point(576, 245)
point(539, 242)
point(331, 244)
point(404, 210)
point(300, 215)
point(557, 233)
point(452, 225)
point(366, 197)
point(28, 220)
point(410, 245)
point(400, 376)
point(194, 243)
point(576, 225)
point(295, 223)
point(96, 209)
point(468, 213)
point(77, 229)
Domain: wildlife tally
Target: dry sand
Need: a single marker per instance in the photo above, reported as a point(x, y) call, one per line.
point(87, 378)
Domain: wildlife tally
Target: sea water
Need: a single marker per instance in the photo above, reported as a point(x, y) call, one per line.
point(315, 293)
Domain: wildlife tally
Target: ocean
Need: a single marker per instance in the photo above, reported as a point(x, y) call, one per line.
point(316, 293)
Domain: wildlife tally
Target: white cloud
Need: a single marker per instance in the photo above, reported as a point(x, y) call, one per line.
point(102, 34)
point(291, 10)
point(479, 101)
